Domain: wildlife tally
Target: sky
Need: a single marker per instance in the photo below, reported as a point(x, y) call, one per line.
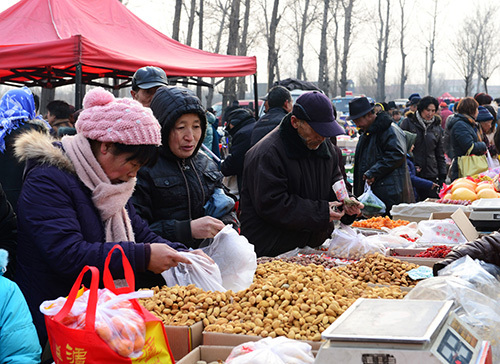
point(158, 13)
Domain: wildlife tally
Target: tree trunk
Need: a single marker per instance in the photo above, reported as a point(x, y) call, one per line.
point(301, 73)
point(242, 49)
point(192, 13)
point(348, 6)
point(272, 53)
point(335, 84)
point(232, 46)
point(200, 44)
point(177, 19)
point(323, 81)
point(223, 9)
point(404, 75)
point(432, 50)
point(382, 50)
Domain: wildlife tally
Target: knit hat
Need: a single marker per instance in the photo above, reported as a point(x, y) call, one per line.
point(443, 104)
point(415, 95)
point(236, 117)
point(483, 114)
point(316, 109)
point(107, 119)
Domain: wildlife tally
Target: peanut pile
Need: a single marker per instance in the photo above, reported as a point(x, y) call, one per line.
point(379, 269)
point(285, 299)
point(302, 260)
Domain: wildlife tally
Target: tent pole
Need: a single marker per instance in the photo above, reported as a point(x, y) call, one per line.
point(78, 87)
point(256, 96)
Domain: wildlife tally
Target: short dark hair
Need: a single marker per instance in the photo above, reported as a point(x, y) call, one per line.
point(277, 96)
point(144, 154)
point(467, 106)
point(59, 108)
point(36, 99)
point(483, 98)
point(425, 102)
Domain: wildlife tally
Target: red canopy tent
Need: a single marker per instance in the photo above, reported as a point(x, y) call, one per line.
point(447, 96)
point(50, 43)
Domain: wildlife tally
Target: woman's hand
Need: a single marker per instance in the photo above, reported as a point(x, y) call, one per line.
point(164, 257)
point(202, 254)
point(206, 227)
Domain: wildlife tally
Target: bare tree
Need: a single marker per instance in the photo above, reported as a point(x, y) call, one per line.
point(303, 18)
point(466, 48)
point(348, 6)
point(382, 48)
point(232, 46)
point(242, 48)
point(177, 19)
point(271, 27)
point(222, 10)
point(336, 55)
point(323, 82)
point(487, 61)
point(200, 41)
point(432, 48)
point(191, 17)
point(404, 73)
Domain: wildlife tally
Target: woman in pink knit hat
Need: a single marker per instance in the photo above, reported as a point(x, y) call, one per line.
point(74, 204)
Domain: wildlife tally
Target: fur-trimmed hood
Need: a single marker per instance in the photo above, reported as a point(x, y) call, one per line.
point(42, 148)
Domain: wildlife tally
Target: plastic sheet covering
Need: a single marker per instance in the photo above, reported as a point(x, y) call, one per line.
point(423, 210)
point(475, 293)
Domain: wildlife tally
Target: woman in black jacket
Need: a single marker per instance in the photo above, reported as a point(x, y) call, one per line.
point(172, 194)
point(428, 155)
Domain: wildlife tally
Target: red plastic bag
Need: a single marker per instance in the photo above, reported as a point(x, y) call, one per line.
point(81, 343)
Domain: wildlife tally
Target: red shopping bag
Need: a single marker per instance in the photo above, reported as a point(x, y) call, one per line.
point(84, 346)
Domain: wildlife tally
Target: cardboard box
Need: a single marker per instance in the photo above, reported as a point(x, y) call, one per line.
point(221, 339)
point(183, 339)
point(461, 219)
point(211, 353)
point(206, 353)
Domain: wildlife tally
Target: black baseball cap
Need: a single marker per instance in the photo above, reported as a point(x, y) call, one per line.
point(148, 77)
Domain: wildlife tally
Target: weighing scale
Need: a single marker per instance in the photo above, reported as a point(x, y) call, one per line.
point(384, 331)
point(485, 214)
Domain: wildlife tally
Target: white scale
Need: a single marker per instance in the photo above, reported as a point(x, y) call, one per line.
point(384, 331)
point(485, 214)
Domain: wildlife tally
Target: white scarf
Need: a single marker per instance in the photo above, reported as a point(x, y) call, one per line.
point(109, 199)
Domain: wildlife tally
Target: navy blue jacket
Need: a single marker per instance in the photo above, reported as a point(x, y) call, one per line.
point(60, 231)
point(416, 181)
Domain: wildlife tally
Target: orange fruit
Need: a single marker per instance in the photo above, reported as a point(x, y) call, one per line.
point(124, 347)
point(104, 332)
point(138, 343)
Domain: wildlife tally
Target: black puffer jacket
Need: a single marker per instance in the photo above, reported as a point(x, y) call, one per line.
point(429, 152)
point(486, 249)
point(173, 192)
point(240, 133)
point(381, 153)
point(266, 123)
point(286, 190)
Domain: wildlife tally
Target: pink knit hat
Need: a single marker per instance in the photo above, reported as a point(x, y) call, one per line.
point(123, 121)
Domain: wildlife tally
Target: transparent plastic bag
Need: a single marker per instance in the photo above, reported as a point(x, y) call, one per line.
point(116, 320)
point(235, 257)
point(410, 233)
point(280, 350)
point(201, 272)
point(390, 241)
point(348, 244)
point(475, 294)
point(437, 232)
point(373, 205)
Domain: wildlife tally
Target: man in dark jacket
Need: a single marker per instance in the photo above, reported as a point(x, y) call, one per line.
point(428, 154)
point(280, 103)
point(380, 157)
point(287, 200)
point(239, 125)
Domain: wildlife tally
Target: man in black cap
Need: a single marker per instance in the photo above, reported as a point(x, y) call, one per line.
point(287, 200)
point(380, 157)
point(145, 82)
point(280, 103)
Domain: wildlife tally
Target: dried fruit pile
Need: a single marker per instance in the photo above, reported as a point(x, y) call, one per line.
point(436, 251)
point(378, 222)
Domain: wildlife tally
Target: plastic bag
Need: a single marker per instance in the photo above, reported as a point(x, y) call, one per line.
point(280, 350)
point(373, 205)
point(348, 244)
point(235, 257)
point(201, 272)
point(390, 241)
point(116, 320)
point(409, 232)
point(219, 204)
point(437, 232)
point(475, 293)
